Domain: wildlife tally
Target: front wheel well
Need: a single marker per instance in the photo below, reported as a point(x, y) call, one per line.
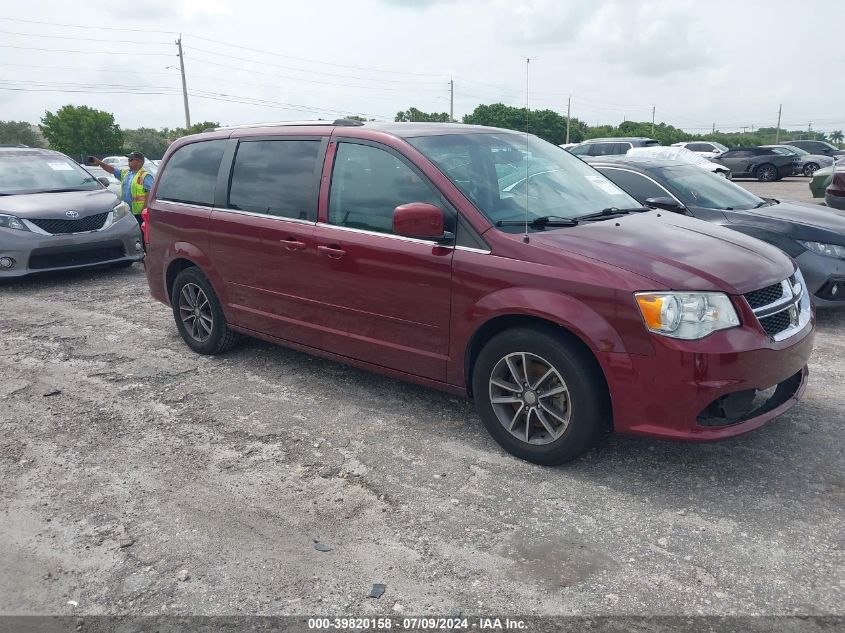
point(174, 268)
point(499, 324)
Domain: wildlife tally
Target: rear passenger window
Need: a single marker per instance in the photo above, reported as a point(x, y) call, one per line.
point(368, 184)
point(191, 173)
point(276, 178)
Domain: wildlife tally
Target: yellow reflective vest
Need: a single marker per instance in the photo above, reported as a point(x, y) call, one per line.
point(136, 190)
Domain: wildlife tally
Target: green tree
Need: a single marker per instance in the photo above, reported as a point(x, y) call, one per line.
point(836, 137)
point(415, 115)
point(196, 128)
point(82, 130)
point(149, 142)
point(15, 132)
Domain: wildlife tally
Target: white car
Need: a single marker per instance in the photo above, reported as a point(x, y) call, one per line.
point(708, 149)
point(682, 154)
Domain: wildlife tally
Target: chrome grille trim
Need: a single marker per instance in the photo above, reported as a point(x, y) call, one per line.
point(795, 300)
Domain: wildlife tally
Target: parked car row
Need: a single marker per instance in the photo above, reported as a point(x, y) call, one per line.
point(766, 163)
point(636, 295)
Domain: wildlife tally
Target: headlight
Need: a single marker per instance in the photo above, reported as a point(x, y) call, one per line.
point(12, 222)
point(686, 315)
point(120, 212)
point(830, 250)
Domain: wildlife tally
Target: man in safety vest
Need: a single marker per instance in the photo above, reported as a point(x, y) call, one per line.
point(135, 182)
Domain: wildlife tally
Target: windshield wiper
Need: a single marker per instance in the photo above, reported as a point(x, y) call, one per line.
point(610, 212)
point(541, 222)
point(766, 203)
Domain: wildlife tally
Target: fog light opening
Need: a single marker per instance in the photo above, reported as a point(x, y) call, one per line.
point(6, 263)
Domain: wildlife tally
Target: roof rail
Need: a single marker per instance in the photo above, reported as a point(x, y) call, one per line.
point(338, 122)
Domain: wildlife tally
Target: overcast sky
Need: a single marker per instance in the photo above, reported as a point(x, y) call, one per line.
point(699, 62)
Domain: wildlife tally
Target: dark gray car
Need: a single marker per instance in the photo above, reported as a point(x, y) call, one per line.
point(54, 215)
point(816, 147)
point(758, 162)
point(812, 234)
point(808, 163)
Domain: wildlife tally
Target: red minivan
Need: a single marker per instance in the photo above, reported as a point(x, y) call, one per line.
point(484, 262)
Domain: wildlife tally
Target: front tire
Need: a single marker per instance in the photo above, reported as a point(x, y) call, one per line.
point(542, 397)
point(199, 317)
point(767, 173)
point(810, 169)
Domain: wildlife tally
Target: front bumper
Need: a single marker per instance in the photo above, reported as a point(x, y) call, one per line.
point(822, 274)
point(36, 252)
point(834, 202)
point(675, 393)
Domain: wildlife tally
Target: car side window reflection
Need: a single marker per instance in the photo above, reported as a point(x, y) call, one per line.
point(368, 183)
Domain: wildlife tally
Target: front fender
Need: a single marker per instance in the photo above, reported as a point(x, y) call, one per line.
point(566, 311)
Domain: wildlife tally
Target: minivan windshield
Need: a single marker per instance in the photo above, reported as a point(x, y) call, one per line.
point(23, 172)
point(512, 176)
point(699, 188)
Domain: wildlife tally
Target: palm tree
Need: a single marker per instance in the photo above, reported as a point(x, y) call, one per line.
point(836, 136)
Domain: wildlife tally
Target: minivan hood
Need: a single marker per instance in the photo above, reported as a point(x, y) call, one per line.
point(53, 206)
point(675, 251)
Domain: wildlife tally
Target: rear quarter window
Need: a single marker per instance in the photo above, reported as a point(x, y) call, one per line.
point(190, 175)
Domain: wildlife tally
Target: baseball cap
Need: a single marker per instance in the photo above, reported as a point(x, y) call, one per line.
point(132, 155)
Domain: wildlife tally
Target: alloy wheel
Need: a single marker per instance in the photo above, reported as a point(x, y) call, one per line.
point(530, 398)
point(195, 312)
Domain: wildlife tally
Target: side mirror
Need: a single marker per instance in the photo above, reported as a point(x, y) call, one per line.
point(103, 181)
point(665, 203)
point(420, 220)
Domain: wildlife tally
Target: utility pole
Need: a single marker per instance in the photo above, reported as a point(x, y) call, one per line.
point(568, 116)
point(653, 109)
point(714, 128)
point(184, 84)
point(451, 101)
point(752, 129)
point(777, 134)
point(810, 130)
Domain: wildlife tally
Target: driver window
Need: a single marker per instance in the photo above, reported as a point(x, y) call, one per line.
point(368, 183)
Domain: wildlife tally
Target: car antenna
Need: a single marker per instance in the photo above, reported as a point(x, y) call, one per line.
point(525, 237)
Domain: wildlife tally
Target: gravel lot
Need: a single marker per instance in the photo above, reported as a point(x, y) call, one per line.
point(126, 459)
point(795, 188)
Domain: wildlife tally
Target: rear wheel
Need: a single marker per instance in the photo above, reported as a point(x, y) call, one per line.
point(199, 317)
point(767, 172)
point(810, 169)
point(542, 398)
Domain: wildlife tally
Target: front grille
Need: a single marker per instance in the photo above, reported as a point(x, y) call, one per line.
point(41, 259)
point(81, 225)
point(765, 296)
point(776, 323)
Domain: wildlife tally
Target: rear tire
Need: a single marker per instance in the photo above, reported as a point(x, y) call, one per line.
point(767, 173)
point(810, 169)
point(199, 317)
point(550, 414)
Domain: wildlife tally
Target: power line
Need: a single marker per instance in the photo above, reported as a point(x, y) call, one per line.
point(78, 39)
point(312, 61)
point(80, 26)
point(304, 70)
point(62, 50)
point(258, 72)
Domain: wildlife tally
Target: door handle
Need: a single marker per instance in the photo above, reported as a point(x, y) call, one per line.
point(293, 244)
point(333, 251)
